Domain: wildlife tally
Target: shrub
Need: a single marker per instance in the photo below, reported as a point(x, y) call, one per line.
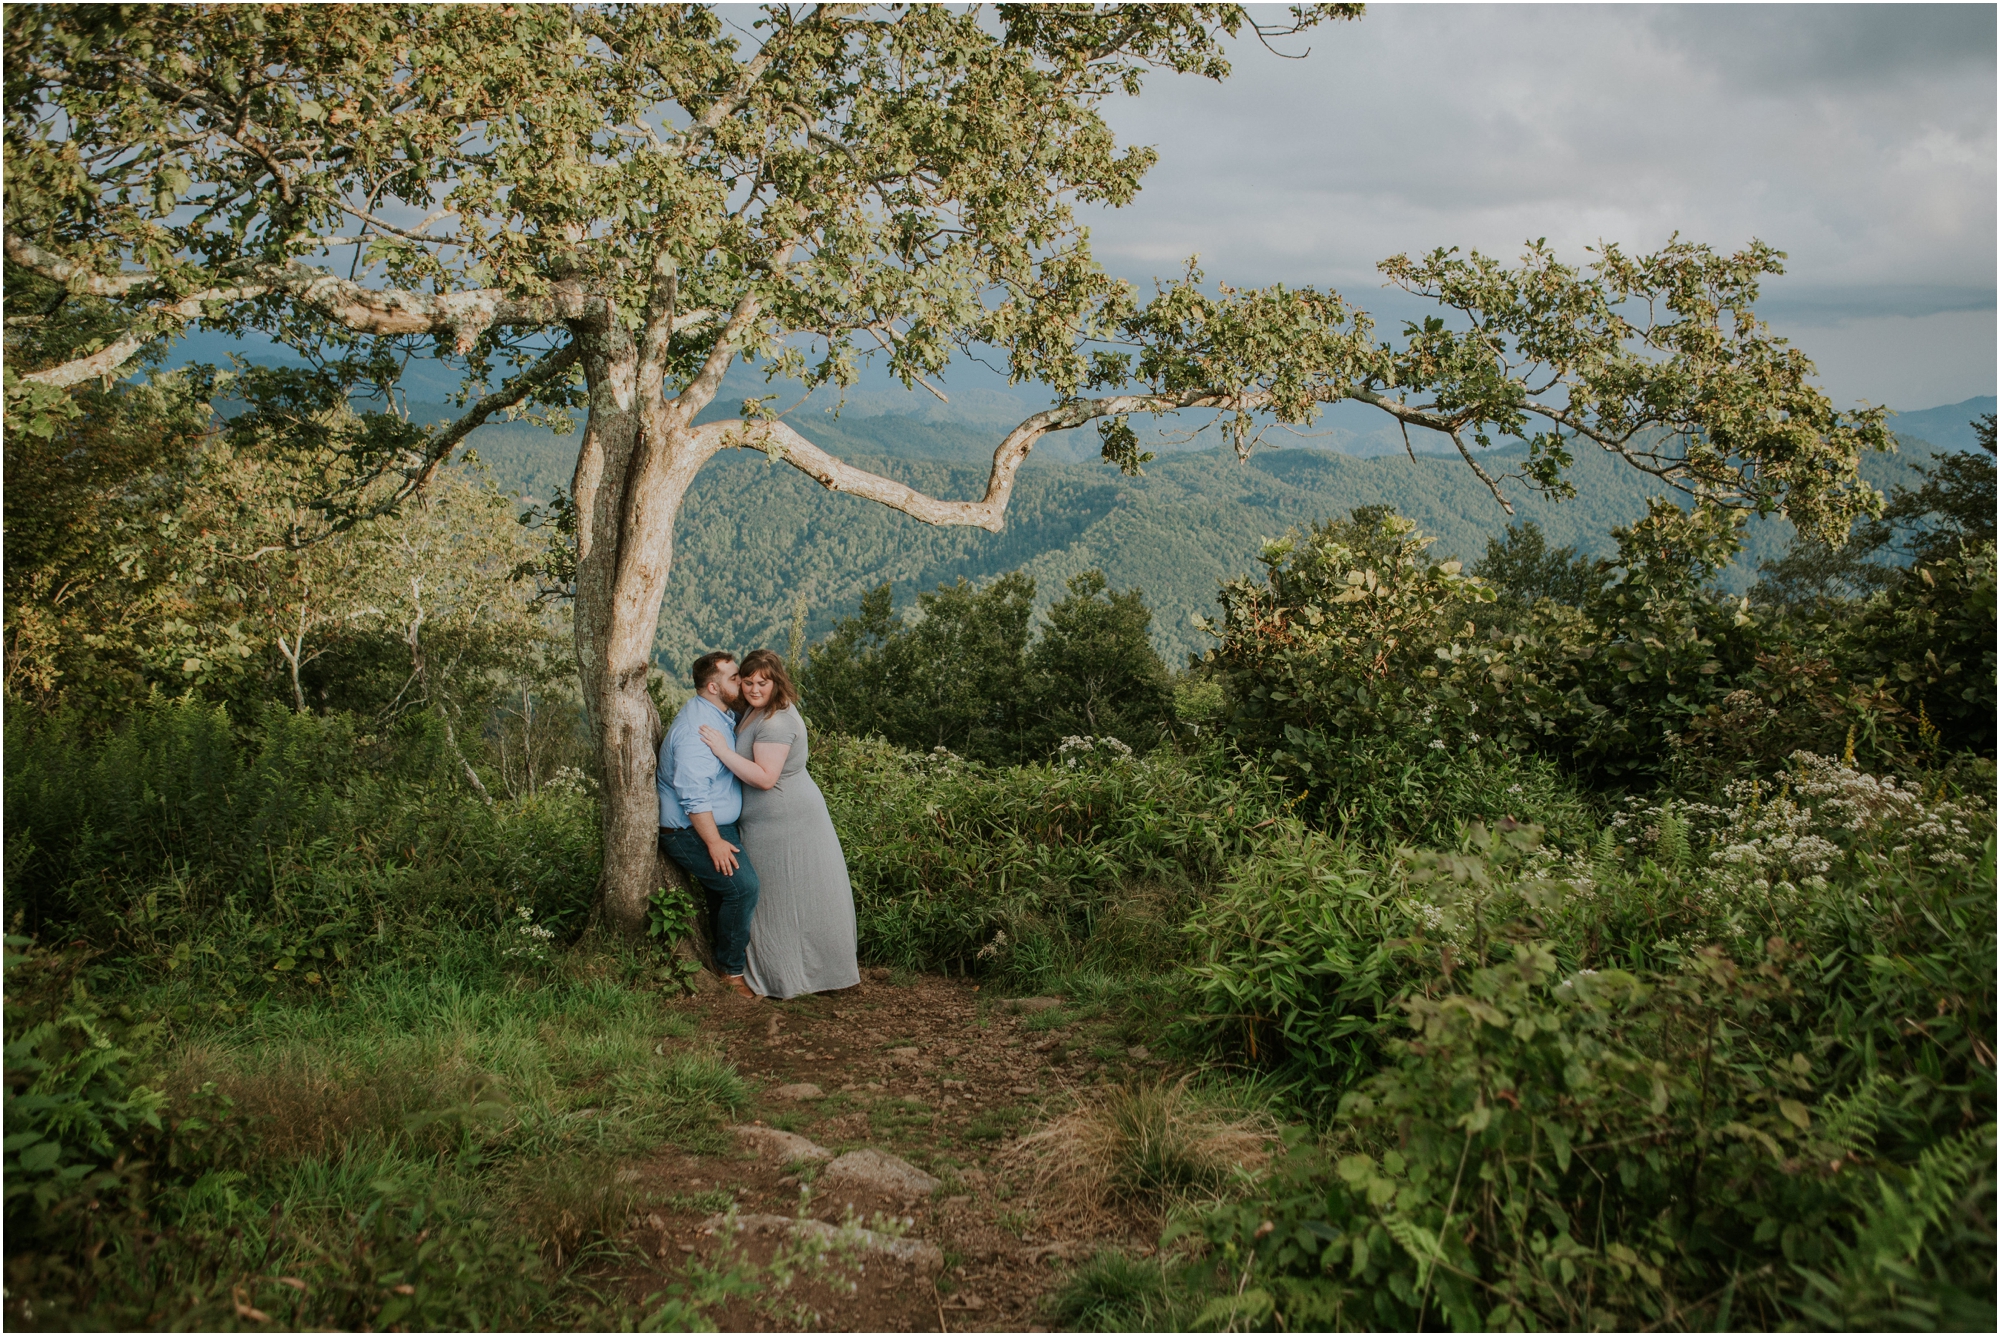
point(80, 1125)
point(1335, 639)
point(282, 857)
point(1297, 956)
point(1597, 1151)
point(1779, 1110)
point(947, 855)
point(1932, 638)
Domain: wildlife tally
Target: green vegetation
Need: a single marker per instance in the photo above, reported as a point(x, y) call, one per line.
point(1549, 932)
point(965, 680)
point(295, 1025)
point(1572, 938)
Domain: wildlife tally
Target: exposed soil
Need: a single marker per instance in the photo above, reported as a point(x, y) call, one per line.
point(934, 1072)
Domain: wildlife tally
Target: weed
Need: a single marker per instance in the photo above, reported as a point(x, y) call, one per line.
point(702, 1203)
point(566, 1203)
point(1055, 1018)
point(1143, 1148)
point(995, 1124)
point(1116, 1292)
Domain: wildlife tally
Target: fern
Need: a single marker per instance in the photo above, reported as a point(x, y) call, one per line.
point(1849, 1124)
point(1892, 1231)
point(1605, 856)
point(1673, 846)
point(1881, 1283)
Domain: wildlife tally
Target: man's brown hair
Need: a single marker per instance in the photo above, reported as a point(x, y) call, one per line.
point(768, 663)
point(705, 667)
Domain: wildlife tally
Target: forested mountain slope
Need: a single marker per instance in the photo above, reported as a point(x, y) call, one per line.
point(754, 538)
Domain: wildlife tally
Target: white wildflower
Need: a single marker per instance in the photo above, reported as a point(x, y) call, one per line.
point(531, 938)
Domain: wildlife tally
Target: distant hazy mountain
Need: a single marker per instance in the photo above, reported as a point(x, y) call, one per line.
point(1948, 428)
point(755, 537)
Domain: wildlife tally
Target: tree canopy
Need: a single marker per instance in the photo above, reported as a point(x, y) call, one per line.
point(820, 183)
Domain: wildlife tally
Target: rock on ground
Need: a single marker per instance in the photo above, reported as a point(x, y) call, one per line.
point(781, 1146)
point(880, 1171)
point(927, 1258)
point(802, 1090)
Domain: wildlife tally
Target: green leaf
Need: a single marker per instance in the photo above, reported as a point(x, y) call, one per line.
point(40, 1158)
point(1559, 1140)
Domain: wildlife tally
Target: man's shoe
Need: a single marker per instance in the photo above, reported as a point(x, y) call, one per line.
point(737, 986)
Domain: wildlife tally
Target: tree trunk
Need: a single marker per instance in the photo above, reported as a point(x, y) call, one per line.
point(631, 475)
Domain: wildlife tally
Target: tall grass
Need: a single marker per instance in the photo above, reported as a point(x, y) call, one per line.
point(305, 1046)
point(973, 869)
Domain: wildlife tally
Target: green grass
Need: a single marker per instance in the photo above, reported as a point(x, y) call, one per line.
point(484, 1112)
point(996, 1123)
point(1117, 1292)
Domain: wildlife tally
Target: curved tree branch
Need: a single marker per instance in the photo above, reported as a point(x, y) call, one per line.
point(781, 442)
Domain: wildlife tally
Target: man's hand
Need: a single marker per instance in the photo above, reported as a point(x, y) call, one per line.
point(720, 851)
point(723, 854)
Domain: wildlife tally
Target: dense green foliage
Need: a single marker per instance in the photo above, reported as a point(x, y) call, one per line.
point(1725, 995)
point(964, 678)
point(1579, 1125)
point(316, 1049)
point(1023, 871)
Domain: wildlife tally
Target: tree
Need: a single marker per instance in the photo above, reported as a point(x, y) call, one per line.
point(615, 202)
point(1094, 672)
point(842, 675)
point(1523, 569)
point(955, 679)
point(1950, 513)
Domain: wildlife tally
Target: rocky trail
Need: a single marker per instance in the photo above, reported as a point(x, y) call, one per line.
point(871, 1183)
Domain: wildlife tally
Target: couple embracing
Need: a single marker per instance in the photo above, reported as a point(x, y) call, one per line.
point(740, 815)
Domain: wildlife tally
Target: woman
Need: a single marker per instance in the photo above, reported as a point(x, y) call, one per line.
point(802, 939)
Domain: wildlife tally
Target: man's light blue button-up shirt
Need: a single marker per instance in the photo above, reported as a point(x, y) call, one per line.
point(691, 777)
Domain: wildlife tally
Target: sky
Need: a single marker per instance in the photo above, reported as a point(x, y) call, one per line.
point(1859, 139)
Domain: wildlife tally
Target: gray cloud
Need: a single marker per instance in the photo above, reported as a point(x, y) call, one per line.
point(1859, 139)
point(1856, 45)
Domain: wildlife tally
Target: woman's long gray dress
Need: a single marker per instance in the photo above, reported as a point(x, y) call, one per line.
point(802, 939)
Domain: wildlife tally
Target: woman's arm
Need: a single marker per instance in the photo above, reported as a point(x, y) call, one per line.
point(760, 773)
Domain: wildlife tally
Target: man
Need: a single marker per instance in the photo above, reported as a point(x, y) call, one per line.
point(699, 804)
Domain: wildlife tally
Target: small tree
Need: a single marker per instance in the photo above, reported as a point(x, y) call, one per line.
point(1094, 671)
point(636, 196)
point(955, 679)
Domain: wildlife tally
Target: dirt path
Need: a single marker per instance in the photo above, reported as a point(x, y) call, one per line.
point(934, 1073)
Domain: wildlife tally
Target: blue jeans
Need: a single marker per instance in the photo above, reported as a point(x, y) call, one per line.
point(732, 900)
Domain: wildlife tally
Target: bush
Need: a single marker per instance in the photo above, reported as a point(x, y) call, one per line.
point(283, 856)
point(1295, 959)
point(1932, 639)
point(1596, 1151)
point(1747, 1122)
point(964, 868)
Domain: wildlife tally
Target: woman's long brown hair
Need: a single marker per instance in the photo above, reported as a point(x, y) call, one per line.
point(767, 662)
